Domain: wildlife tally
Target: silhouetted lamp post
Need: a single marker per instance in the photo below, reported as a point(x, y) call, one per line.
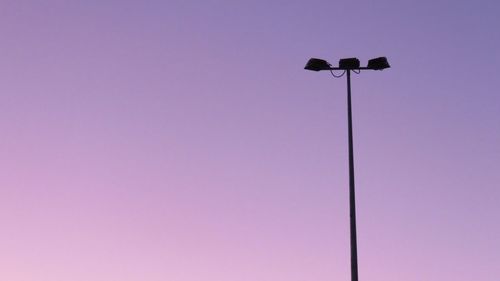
point(347, 65)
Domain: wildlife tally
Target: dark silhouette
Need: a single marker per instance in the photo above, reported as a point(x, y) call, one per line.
point(347, 65)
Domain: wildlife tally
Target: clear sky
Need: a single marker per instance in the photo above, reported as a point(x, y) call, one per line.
point(183, 140)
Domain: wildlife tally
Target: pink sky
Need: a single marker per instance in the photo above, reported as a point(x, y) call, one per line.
point(183, 141)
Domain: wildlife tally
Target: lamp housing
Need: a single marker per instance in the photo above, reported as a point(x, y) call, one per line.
point(378, 63)
point(349, 63)
point(315, 64)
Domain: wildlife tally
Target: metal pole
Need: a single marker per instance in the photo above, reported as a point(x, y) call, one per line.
point(352, 201)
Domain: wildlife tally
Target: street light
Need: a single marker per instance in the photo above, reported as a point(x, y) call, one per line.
point(347, 65)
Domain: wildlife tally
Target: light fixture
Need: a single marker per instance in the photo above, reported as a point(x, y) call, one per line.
point(315, 64)
point(349, 63)
point(378, 63)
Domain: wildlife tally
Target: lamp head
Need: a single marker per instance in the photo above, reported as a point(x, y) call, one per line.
point(378, 63)
point(349, 63)
point(315, 64)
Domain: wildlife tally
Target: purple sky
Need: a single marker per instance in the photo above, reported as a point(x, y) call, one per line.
point(183, 140)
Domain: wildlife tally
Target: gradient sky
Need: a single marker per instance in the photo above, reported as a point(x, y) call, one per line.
point(183, 140)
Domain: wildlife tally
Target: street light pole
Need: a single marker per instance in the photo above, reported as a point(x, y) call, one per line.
point(352, 197)
point(348, 65)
